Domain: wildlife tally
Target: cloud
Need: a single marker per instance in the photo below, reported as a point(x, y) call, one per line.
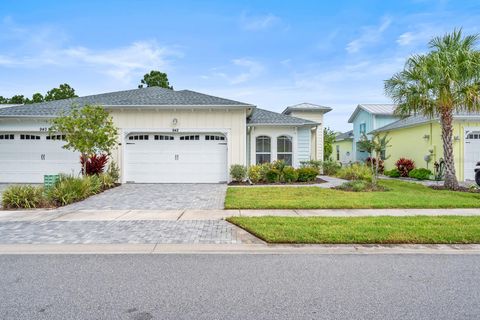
point(248, 70)
point(40, 46)
point(123, 63)
point(370, 35)
point(256, 23)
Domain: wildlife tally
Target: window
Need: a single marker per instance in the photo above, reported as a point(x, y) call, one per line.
point(29, 137)
point(363, 128)
point(162, 137)
point(383, 154)
point(284, 149)
point(262, 150)
point(56, 137)
point(138, 137)
point(7, 136)
point(192, 137)
point(338, 152)
point(473, 136)
point(207, 137)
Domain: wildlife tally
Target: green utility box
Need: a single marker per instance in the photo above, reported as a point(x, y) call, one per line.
point(49, 180)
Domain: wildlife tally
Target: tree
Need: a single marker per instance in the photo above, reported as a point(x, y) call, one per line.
point(375, 147)
point(328, 140)
point(64, 91)
point(438, 84)
point(89, 130)
point(155, 79)
point(17, 99)
point(37, 97)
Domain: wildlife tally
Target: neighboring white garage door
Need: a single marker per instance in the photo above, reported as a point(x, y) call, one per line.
point(27, 156)
point(176, 158)
point(472, 153)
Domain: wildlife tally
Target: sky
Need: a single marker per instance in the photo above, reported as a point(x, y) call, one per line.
point(268, 53)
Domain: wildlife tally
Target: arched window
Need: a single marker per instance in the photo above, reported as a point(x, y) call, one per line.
point(284, 149)
point(263, 149)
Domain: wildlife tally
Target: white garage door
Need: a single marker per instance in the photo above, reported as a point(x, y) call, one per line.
point(472, 153)
point(176, 158)
point(27, 156)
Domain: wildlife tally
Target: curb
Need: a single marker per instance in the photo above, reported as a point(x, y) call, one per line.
point(25, 249)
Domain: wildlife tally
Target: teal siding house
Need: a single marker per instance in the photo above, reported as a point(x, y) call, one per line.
point(366, 118)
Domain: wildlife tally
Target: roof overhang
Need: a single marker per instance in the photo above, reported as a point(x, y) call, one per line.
point(283, 124)
point(289, 110)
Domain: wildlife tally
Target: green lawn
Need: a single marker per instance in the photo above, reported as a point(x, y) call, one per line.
point(379, 230)
point(400, 195)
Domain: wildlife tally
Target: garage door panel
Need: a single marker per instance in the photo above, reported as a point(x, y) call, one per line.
point(176, 161)
point(27, 161)
point(472, 154)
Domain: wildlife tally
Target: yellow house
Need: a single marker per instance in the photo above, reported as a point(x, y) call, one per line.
point(419, 138)
point(343, 147)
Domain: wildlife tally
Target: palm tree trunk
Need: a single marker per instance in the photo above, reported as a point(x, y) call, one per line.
point(446, 119)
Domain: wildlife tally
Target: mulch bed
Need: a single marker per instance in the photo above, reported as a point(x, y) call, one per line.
point(460, 189)
point(245, 183)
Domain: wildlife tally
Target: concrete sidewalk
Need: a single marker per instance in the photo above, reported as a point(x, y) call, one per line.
point(174, 215)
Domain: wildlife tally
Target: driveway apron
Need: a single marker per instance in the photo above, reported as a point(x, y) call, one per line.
point(155, 197)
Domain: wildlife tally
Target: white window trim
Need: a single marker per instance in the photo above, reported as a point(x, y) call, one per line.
point(285, 153)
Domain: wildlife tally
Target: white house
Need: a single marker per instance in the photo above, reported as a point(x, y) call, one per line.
point(165, 136)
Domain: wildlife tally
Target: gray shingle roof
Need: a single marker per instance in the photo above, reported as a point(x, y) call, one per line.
point(306, 107)
point(261, 116)
point(420, 119)
point(374, 108)
point(344, 136)
point(144, 97)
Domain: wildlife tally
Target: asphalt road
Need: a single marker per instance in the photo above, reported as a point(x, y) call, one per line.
point(240, 287)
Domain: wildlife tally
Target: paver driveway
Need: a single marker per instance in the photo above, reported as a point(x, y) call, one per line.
point(156, 197)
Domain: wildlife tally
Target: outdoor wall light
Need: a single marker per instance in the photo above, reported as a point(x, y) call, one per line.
point(456, 138)
point(426, 137)
point(174, 121)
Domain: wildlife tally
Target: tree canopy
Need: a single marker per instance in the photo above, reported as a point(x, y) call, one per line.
point(328, 140)
point(89, 130)
point(155, 79)
point(438, 84)
point(64, 91)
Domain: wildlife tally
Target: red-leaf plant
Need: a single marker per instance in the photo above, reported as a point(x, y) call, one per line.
point(404, 166)
point(95, 163)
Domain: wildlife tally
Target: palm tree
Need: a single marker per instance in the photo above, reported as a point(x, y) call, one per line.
point(438, 84)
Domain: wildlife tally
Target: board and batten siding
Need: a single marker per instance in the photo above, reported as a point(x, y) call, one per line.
point(317, 143)
point(303, 144)
point(231, 122)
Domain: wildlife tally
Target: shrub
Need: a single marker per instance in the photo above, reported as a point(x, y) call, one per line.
point(69, 189)
point(307, 174)
point(356, 171)
point(290, 174)
point(272, 175)
point(420, 174)
point(317, 164)
point(254, 174)
point(404, 166)
point(113, 171)
point(330, 168)
point(238, 172)
point(373, 161)
point(107, 181)
point(264, 168)
point(394, 173)
point(23, 196)
point(359, 186)
point(95, 164)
